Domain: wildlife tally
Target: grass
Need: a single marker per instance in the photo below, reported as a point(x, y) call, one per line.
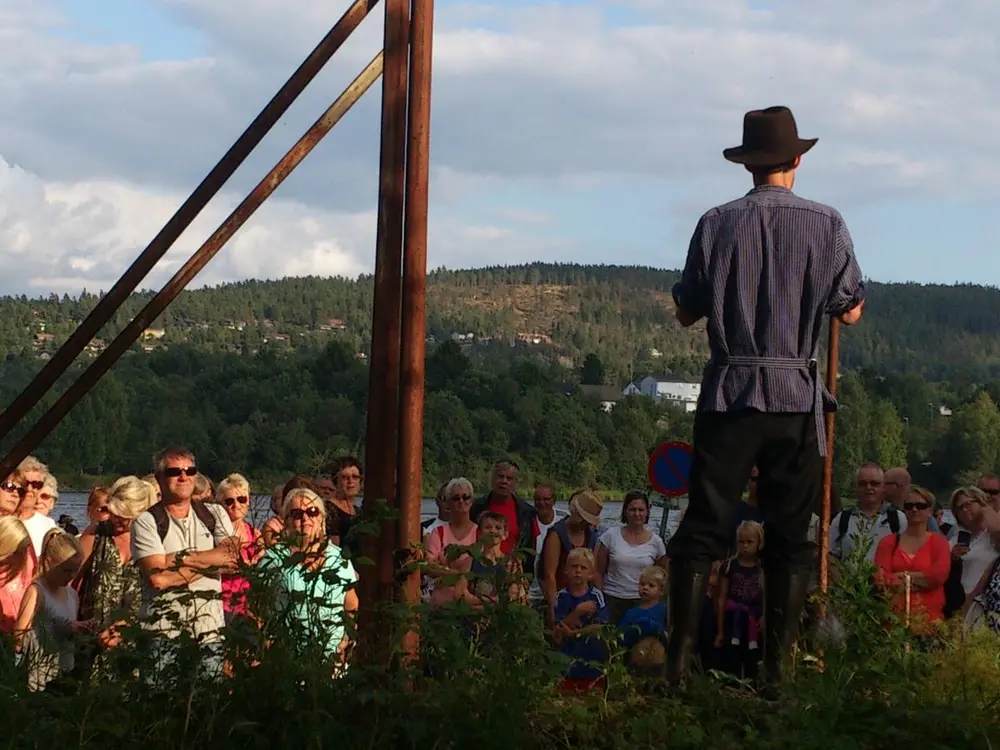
point(878, 689)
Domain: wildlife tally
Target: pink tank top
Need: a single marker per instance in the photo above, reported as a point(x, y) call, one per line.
point(234, 587)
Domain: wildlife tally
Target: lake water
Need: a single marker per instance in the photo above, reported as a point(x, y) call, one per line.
point(74, 504)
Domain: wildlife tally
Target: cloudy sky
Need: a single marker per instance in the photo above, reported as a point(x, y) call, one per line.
point(564, 130)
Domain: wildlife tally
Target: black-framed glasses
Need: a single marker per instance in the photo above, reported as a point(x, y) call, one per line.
point(242, 500)
point(297, 514)
point(34, 485)
point(175, 471)
point(11, 487)
point(916, 506)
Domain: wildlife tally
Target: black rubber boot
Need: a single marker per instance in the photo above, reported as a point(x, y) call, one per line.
point(688, 586)
point(785, 593)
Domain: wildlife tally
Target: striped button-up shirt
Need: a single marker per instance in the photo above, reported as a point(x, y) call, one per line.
point(765, 270)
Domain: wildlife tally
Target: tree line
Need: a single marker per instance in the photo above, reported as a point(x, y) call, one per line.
point(274, 413)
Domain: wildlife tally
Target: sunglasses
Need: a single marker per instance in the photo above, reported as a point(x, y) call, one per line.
point(465, 498)
point(242, 500)
point(916, 506)
point(992, 492)
point(11, 487)
point(869, 483)
point(297, 514)
point(175, 471)
point(103, 509)
point(36, 485)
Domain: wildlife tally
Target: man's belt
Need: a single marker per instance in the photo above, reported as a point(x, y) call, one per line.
point(823, 401)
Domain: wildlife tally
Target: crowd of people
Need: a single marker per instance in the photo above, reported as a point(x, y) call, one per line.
point(179, 555)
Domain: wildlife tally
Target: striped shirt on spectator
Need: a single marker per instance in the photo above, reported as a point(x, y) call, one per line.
point(765, 270)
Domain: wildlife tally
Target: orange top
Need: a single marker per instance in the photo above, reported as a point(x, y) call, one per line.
point(933, 560)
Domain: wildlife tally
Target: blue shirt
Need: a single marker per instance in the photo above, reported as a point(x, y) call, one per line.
point(766, 270)
point(312, 601)
point(639, 623)
point(582, 649)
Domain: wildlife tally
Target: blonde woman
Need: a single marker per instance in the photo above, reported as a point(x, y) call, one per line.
point(12, 491)
point(313, 582)
point(17, 568)
point(47, 624)
point(234, 495)
point(110, 583)
point(977, 543)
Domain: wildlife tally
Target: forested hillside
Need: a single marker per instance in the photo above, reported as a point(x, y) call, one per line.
point(620, 313)
point(270, 377)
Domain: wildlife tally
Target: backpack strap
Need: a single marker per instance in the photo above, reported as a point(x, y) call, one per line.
point(159, 514)
point(206, 516)
point(845, 523)
point(892, 516)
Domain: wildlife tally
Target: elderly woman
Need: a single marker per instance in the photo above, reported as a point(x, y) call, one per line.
point(234, 495)
point(110, 584)
point(915, 559)
point(459, 531)
point(624, 552)
point(17, 567)
point(312, 580)
point(48, 496)
point(977, 543)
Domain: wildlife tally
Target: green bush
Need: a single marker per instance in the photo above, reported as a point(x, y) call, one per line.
point(878, 689)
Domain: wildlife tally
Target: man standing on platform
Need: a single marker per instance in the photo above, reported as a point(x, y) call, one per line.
point(764, 271)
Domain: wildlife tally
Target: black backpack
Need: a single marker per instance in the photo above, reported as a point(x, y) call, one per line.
point(204, 515)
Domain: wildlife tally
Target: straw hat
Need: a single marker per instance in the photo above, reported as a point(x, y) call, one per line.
point(588, 505)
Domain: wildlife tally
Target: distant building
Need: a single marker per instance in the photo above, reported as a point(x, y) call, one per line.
point(681, 392)
point(608, 395)
point(154, 333)
point(534, 338)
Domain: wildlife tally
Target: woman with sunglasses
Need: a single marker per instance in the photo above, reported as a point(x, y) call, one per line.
point(311, 580)
point(234, 495)
point(12, 492)
point(443, 564)
point(917, 561)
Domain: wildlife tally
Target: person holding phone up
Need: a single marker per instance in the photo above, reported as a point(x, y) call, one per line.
point(977, 543)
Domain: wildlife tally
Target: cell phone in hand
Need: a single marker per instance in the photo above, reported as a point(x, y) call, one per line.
point(964, 537)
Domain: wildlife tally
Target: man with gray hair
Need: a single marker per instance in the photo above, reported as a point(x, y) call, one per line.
point(522, 526)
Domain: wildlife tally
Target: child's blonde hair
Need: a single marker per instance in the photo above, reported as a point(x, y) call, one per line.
point(754, 526)
point(582, 553)
point(57, 548)
point(654, 574)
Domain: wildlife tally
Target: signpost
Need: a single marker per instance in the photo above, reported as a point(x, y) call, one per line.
point(670, 468)
point(669, 473)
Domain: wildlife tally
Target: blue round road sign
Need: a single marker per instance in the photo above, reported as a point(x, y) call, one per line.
point(670, 468)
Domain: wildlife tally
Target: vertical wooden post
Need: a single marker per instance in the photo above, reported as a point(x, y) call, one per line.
point(376, 585)
point(414, 314)
point(832, 362)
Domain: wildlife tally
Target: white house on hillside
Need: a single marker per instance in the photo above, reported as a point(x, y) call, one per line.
point(681, 392)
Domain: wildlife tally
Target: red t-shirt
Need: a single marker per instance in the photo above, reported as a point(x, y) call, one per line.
point(933, 559)
point(508, 509)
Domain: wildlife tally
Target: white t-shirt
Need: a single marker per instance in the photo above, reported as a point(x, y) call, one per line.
point(980, 556)
point(859, 528)
point(626, 561)
point(38, 526)
point(535, 593)
point(203, 614)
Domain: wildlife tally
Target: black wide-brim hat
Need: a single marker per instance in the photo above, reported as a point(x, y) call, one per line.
point(770, 138)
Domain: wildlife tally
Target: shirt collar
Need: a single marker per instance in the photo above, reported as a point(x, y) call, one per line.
point(769, 189)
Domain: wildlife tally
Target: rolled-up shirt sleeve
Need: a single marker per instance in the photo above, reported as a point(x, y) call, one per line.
point(693, 293)
point(848, 284)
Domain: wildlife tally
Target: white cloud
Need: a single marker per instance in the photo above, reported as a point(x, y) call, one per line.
point(903, 96)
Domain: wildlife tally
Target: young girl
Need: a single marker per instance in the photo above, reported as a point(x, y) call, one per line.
point(739, 604)
point(47, 621)
point(643, 627)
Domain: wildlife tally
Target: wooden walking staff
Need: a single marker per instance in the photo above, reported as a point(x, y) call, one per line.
point(832, 360)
